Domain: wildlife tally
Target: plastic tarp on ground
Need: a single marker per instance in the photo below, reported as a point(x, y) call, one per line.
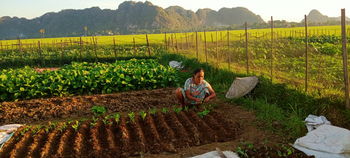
point(215, 154)
point(241, 87)
point(176, 64)
point(325, 141)
point(6, 132)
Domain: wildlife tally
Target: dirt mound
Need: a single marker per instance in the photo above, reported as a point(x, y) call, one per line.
point(155, 134)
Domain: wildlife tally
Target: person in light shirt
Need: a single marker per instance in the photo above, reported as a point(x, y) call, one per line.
point(196, 90)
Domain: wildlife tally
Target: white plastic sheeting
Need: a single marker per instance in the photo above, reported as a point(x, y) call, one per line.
point(241, 87)
point(215, 154)
point(312, 122)
point(325, 141)
point(6, 132)
point(176, 64)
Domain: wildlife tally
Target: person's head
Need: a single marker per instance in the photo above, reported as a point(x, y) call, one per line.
point(198, 75)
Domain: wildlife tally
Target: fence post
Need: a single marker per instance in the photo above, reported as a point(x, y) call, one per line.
point(228, 50)
point(271, 60)
point(62, 53)
point(114, 48)
point(306, 54)
point(217, 49)
point(205, 47)
point(197, 45)
point(165, 42)
point(149, 50)
point(19, 45)
point(187, 45)
point(246, 46)
point(345, 57)
point(40, 54)
point(95, 46)
point(81, 48)
point(172, 42)
point(176, 44)
point(133, 40)
point(0, 46)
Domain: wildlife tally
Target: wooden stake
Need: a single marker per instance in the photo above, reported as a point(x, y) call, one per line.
point(345, 58)
point(197, 45)
point(246, 46)
point(148, 48)
point(114, 48)
point(205, 47)
point(306, 54)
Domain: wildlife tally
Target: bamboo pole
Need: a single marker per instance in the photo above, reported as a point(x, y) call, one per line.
point(228, 50)
point(197, 45)
point(345, 57)
point(246, 46)
point(114, 48)
point(306, 54)
point(133, 40)
point(205, 47)
point(148, 48)
point(272, 40)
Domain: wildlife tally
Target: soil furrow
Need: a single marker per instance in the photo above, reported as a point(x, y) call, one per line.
point(51, 144)
point(21, 148)
point(194, 133)
point(179, 131)
point(38, 143)
point(208, 133)
point(167, 136)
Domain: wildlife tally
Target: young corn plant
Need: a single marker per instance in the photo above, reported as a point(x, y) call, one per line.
point(75, 125)
point(186, 108)
point(143, 115)
point(116, 117)
point(203, 113)
point(165, 110)
point(93, 122)
point(132, 117)
point(153, 111)
point(178, 109)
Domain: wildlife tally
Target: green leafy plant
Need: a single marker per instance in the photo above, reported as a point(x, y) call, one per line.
point(203, 113)
point(153, 111)
point(94, 121)
point(186, 108)
point(63, 126)
point(241, 152)
point(132, 116)
point(75, 125)
point(178, 109)
point(143, 115)
point(165, 110)
point(98, 110)
point(116, 117)
point(25, 130)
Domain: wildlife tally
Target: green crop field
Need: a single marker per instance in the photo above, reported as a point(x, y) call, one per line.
point(159, 38)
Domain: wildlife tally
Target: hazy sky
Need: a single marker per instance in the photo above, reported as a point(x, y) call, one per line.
point(290, 10)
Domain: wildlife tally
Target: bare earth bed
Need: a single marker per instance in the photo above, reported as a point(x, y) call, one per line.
point(39, 110)
point(162, 135)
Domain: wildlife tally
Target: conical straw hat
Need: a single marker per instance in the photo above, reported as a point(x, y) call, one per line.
point(241, 86)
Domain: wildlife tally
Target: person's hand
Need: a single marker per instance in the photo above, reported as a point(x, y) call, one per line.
point(198, 100)
point(206, 99)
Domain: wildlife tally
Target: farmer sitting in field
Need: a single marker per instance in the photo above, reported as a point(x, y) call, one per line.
point(196, 90)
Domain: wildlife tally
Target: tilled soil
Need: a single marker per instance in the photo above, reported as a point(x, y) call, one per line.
point(155, 134)
point(38, 110)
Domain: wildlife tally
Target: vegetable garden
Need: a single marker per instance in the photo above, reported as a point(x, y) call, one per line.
point(117, 100)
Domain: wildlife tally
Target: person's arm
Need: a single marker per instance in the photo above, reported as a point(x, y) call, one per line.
point(211, 92)
point(189, 96)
